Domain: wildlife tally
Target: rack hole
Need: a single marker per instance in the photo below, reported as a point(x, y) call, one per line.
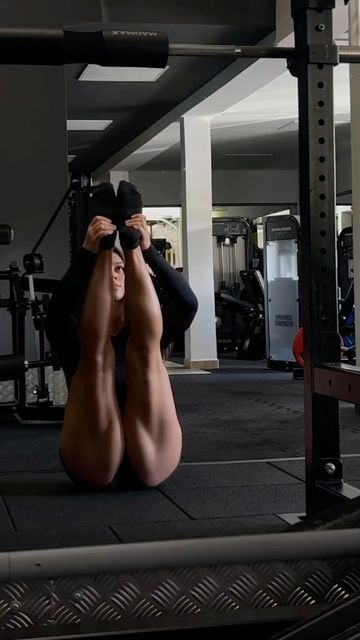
point(323, 233)
point(321, 140)
point(321, 122)
point(323, 251)
point(321, 158)
point(322, 178)
point(322, 196)
point(322, 214)
point(321, 103)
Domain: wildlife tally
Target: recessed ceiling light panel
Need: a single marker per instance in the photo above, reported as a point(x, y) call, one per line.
point(87, 125)
point(96, 73)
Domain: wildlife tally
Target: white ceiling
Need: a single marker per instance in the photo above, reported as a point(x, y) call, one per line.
point(277, 101)
point(257, 131)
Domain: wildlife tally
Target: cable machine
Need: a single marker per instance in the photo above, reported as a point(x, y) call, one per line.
point(231, 251)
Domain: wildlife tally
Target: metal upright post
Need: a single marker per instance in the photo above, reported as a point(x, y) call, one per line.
point(316, 56)
point(18, 313)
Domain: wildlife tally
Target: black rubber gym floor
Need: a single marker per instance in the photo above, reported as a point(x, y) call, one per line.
point(242, 469)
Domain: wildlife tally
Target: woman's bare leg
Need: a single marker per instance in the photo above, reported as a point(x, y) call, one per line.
point(92, 439)
point(152, 431)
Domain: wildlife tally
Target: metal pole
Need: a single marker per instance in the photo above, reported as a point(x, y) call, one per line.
point(346, 53)
point(315, 59)
point(119, 47)
point(354, 76)
point(349, 54)
point(307, 545)
point(53, 217)
point(238, 51)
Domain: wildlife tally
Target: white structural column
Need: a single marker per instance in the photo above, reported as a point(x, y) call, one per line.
point(354, 39)
point(116, 176)
point(196, 197)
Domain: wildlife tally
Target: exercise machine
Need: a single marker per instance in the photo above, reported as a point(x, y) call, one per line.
point(240, 318)
point(239, 290)
point(346, 294)
point(282, 311)
point(22, 298)
point(253, 344)
point(14, 366)
point(231, 251)
point(345, 261)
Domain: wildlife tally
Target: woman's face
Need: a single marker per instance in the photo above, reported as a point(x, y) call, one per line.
point(118, 276)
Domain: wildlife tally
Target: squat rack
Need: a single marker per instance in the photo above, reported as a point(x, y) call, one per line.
point(326, 380)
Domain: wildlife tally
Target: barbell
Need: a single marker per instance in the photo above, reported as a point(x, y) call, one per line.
point(133, 48)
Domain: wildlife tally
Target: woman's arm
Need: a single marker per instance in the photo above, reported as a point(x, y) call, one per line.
point(178, 301)
point(65, 304)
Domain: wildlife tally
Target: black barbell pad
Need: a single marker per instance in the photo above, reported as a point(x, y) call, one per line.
point(118, 47)
point(108, 47)
point(11, 367)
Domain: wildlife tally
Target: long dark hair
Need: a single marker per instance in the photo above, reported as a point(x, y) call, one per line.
point(119, 252)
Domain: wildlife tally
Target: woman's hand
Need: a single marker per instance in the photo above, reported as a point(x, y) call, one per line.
point(138, 221)
point(98, 228)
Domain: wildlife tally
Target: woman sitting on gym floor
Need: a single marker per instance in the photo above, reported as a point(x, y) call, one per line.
point(110, 322)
